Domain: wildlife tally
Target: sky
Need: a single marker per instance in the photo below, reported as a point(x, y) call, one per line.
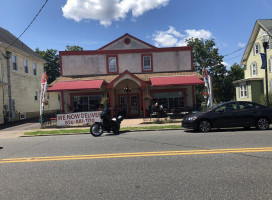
point(92, 24)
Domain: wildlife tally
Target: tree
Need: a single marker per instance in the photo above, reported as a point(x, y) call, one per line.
point(206, 54)
point(52, 66)
point(235, 73)
point(73, 48)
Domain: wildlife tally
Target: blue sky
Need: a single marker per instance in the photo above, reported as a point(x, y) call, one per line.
point(92, 24)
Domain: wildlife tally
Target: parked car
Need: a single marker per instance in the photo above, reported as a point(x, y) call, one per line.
point(230, 114)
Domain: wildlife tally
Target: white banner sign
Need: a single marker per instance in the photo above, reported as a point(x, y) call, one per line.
point(78, 118)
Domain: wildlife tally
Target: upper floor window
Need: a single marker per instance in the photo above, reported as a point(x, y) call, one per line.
point(256, 48)
point(147, 63)
point(14, 62)
point(254, 69)
point(26, 65)
point(0, 70)
point(112, 64)
point(34, 68)
point(270, 64)
point(243, 91)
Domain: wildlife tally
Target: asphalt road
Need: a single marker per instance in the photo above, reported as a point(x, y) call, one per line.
point(180, 165)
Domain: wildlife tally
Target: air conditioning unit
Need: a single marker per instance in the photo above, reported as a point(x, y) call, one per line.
point(22, 116)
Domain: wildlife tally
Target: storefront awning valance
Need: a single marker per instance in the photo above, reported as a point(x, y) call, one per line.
point(175, 80)
point(76, 85)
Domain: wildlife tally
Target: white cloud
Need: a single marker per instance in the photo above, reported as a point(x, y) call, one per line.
point(107, 11)
point(172, 37)
point(225, 63)
point(241, 44)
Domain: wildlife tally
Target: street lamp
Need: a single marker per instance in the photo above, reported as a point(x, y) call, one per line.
point(265, 40)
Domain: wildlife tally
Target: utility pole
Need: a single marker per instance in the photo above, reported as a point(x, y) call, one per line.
point(11, 112)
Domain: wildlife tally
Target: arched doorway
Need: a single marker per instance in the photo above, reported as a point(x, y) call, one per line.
point(127, 98)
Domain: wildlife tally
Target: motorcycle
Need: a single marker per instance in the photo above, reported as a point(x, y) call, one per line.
point(106, 124)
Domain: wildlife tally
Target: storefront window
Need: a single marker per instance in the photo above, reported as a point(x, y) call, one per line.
point(87, 103)
point(169, 100)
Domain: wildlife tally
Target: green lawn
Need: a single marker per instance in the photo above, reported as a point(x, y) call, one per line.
point(81, 131)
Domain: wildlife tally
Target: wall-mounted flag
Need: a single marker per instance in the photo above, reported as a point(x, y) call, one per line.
point(263, 56)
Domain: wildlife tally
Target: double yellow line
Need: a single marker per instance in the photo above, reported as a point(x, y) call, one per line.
point(136, 154)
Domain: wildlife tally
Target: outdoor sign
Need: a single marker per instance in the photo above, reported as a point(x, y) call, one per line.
point(78, 118)
point(43, 90)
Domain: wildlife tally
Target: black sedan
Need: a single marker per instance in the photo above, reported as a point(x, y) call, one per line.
point(230, 114)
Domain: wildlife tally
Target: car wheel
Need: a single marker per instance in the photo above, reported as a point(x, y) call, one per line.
point(204, 126)
point(262, 124)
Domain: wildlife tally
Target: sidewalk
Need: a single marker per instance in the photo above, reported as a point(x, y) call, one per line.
point(18, 131)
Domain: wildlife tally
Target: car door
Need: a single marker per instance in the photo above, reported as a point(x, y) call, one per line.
point(224, 115)
point(247, 114)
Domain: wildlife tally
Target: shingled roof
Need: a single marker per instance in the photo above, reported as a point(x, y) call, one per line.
point(109, 78)
point(8, 38)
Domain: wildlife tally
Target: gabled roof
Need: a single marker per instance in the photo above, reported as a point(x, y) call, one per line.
point(8, 38)
point(126, 36)
point(265, 24)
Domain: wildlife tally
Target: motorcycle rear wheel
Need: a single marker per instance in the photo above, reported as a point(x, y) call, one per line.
point(96, 130)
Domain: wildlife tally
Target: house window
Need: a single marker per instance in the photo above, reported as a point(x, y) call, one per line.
point(86, 103)
point(270, 64)
point(169, 100)
point(34, 68)
point(270, 85)
point(243, 91)
point(0, 70)
point(256, 48)
point(14, 62)
point(147, 63)
point(254, 69)
point(48, 97)
point(36, 96)
point(26, 65)
point(112, 64)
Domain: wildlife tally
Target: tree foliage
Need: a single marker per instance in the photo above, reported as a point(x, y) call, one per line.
point(206, 54)
point(52, 66)
point(73, 48)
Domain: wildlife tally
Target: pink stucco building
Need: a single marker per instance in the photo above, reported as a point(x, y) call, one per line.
point(131, 73)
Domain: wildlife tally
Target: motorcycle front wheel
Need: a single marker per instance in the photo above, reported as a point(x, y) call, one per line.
point(96, 130)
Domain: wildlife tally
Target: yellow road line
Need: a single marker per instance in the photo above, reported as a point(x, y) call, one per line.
point(136, 154)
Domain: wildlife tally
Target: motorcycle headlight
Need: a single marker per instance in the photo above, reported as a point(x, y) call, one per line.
point(192, 118)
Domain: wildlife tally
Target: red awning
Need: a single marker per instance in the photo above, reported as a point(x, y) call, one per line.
point(76, 85)
point(176, 80)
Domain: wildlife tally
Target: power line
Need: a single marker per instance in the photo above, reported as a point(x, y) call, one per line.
point(27, 26)
point(244, 46)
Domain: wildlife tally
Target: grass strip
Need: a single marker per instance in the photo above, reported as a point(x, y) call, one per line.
point(80, 131)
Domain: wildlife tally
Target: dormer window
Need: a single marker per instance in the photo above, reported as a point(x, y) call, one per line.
point(256, 48)
point(112, 64)
point(147, 63)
